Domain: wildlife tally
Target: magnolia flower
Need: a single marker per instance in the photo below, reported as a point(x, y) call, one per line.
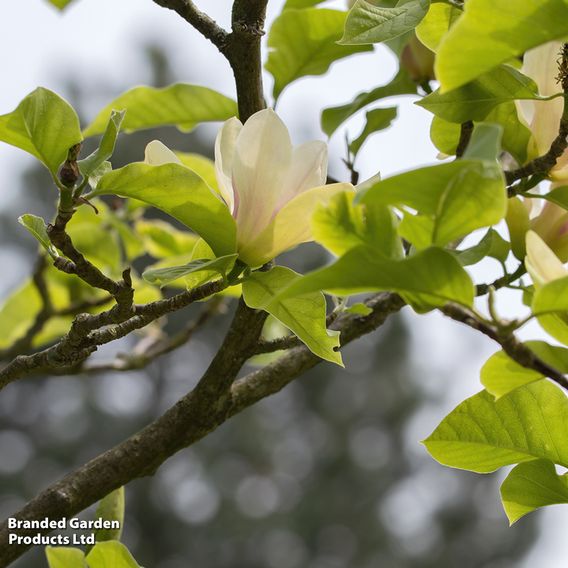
point(543, 117)
point(271, 188)
point(541, 263)
point(550, 223)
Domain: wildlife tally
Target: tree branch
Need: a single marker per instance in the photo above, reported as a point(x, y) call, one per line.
point(198, 19)
point(145, 353)
point(90, 331)
point(543, 164)
point(514, 348)
point(243, 53)
point(482, 289)
point(215, 399)
point(466, 130)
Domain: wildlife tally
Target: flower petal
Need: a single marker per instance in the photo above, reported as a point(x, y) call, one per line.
point(308, 169)
point(262, 158)
point(546, 223)
point(542, 264)
point(158, 154)
point(291, 225)
point(541, 65)
point(224, 156)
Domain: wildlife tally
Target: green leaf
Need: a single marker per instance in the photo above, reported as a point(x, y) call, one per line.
point(559, 196)
point(417, 230)
point(485, 142)
point(459, 197)
point(301, 4)
point(375, 120)
point(65, 557)
point(552, 297)
point(111, 508)
point(532, 485)
point(162, 240)
point(550, 305)
point(106, 148)
point(437, 22)
point(492, 244)
point(359, 309)
point(61, 4)
point(179, 105)
point(428, 279)
point(91, 235)
point(501, 375)
point(475, 100)
point(556, 325)
point(96, 176)
point(202, 166)
point(178, 191)
point(218, 266)
point(130, 242)
point(369, 22)
point(483, 434)
point(43, 125)
point(111, 554)
point(493, 31)
point(333, 117)
point(303, 315)
point(303, 42)
point(19, 309)
point(341, 226)
point(445, 135)
point(37, 227)
point(516, 135)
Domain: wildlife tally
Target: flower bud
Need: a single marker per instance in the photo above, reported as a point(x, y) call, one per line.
point(418, 61)
point(518, 223)
point(541, 262)
point(552, 227)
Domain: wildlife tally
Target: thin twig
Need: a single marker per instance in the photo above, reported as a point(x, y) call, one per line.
point(143, 354)
point(542, 165)
point(516, 350)
point(482, 289)
point(45, 312)
point(88, 332)
point(466, 130)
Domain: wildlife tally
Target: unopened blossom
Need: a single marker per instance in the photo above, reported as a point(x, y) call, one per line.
point(550, 223)
point(418, 61)
point(271, 188)
point(541, 262)
point(543, 117)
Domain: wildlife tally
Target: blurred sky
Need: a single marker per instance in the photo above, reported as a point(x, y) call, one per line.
point(101, 40)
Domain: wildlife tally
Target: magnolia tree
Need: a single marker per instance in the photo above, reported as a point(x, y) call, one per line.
point(494, 76)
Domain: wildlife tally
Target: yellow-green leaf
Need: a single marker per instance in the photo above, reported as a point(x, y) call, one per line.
point(304, 315)
point(179, 105)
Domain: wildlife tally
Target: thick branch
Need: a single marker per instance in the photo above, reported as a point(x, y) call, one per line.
point(215, 399)
point(243, 53)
